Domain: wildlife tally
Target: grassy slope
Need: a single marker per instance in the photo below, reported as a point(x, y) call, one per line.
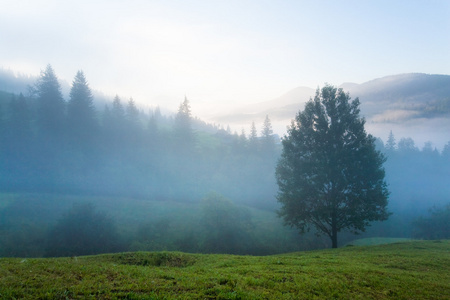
point(376, 241)
point(410, 270)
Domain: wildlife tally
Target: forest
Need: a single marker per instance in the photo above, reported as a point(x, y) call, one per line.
point(206, 188)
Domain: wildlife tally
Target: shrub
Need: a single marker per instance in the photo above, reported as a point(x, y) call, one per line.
point(83, 231)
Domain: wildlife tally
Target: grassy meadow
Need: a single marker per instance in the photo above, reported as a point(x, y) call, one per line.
point(404, 270)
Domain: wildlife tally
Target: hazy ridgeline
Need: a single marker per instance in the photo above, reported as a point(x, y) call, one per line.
point(57, 146)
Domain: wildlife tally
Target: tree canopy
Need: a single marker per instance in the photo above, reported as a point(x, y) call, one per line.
point(330, 175)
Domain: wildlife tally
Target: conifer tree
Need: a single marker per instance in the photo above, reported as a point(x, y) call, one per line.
point(267, 141)
point(132, 113)
point(51, 105)
point(82, 120)
point(117, 111)
point(183, 125)
point(253, 139)
point(391, 144)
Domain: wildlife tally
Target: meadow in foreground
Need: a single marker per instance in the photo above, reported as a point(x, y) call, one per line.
point(407, 270)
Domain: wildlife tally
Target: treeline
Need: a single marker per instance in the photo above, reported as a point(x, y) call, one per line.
point(36, 225)
point(418, 183)
point(49, 144)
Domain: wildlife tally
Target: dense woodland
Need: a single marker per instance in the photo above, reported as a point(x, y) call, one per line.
point(51, 145)
point(56, 146)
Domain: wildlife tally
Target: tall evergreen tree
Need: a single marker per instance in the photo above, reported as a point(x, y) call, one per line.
point(132, 116)
point(117, 111)
point(330, 175)
point(51, 105)
point(133, 126)
point(391, 144)
point(183, 125)
point(114, 124)
point(242, 142)
point(81, 114)
point(268, 140)
point(253, 139)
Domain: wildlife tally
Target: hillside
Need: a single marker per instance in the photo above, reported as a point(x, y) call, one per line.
point(411, 270)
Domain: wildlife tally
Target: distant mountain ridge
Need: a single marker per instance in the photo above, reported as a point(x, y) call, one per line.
point(405, 96)
point(388, 99)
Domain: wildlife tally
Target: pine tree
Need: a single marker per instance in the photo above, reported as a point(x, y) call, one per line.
point(114, 124)
point(183, 125)
point(51, 105)
point(132, 113)
point(82, 120)
point(117, 111)
point(133, 125)
point(242, 141)
point(391, 144)
point(253, 139)
point(267, 141)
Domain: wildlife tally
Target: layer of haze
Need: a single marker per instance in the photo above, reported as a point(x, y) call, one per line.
point(223, 53)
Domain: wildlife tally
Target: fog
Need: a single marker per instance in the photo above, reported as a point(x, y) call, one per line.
point(149, 181)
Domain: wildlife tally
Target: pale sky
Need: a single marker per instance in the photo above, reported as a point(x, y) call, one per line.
point(223, 53)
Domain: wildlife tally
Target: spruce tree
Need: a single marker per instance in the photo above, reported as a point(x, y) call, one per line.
point(82, 123)
point(267, 138)
point(183, 125)
point(391, 144)
point(51, 105)
point(253, 139)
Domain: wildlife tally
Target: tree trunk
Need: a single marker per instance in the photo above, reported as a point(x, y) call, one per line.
point(334, 231)
point(334, 242)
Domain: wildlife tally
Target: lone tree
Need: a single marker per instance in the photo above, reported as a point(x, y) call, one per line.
point(330, 175)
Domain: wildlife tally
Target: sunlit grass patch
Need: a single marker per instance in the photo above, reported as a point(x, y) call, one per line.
point(409, 270)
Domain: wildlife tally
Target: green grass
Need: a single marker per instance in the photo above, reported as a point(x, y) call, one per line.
point(376, 241)
point(407, 270)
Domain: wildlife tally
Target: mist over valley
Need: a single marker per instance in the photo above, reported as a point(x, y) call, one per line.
point(171, 181)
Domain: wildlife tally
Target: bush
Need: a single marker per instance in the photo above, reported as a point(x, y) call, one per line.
point(83, 231)
point(436, 226)
point(226, 227)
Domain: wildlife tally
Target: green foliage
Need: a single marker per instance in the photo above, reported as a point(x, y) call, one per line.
point(226, 226)
point(83, 231)
point(27, 222)
point(375, 272)
point(436, 226)
point(330, 175)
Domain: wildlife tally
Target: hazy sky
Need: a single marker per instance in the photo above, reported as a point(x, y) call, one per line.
point(223, 52)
